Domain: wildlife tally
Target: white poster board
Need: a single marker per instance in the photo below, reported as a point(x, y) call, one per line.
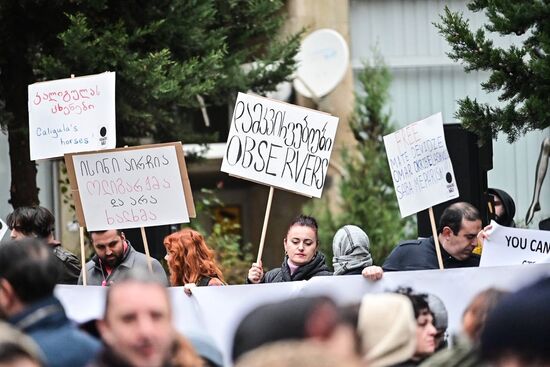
point(420, 165)
point(72, 115)
point(279, 144)
point(3, 229)
point(130, 187)
point(515, 246)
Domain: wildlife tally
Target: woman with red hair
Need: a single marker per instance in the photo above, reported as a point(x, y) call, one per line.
point(190, 260)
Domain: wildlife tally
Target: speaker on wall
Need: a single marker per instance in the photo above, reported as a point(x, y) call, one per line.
point(470, 164)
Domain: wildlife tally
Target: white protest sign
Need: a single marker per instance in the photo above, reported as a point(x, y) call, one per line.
point(515, 246)
point(279, 144)
point(3, 229)
point(131, 187)
point(420, 165)
point(72, 115)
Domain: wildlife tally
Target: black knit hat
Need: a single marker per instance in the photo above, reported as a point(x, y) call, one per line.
point(520, 325)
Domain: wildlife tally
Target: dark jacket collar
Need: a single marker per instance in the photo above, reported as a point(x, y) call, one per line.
point(47, 311)
point(307, 271)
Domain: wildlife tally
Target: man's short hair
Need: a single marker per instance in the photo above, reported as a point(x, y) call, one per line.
point(31, 220)
point(134, 275)
point(30, 267)
point(90, 233)
point(454, 214)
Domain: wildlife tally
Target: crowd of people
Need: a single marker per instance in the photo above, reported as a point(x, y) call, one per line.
point(399, 328)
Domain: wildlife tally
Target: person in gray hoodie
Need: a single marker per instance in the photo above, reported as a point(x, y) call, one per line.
point(350, 247)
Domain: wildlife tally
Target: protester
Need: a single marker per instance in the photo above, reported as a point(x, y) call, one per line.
point(504, 209)
point(39, 222)
point(137, 325)
point(464, 352)
point(299, 318)
point(439, 312)
point(302, 260)
point(190, 260)
point(28, 272)
point(387, 329)
point(17, 349)
point(517, 330)
point(115, 256)
point(459, 227)
point(302, 353)
point(206, 348)
point(425, 329)
point(350, 247)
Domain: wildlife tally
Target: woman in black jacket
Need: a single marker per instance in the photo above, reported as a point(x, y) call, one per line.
point(302, 259)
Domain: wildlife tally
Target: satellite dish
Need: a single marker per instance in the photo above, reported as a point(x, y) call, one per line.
point(322, 63)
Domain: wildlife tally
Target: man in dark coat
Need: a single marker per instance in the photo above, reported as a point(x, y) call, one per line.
point(458, 228)
point(28, 273)
point(39, 222)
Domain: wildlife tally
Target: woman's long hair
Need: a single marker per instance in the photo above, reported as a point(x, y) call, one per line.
point(190, 258)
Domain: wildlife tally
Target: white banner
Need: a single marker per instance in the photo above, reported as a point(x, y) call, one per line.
point(218, 310)
point(420, 165)
point(515, 246)
point(279, 144)
point(131, 187)
point(72, 115)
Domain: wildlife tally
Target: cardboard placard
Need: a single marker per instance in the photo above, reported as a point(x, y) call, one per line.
point(279, 144)
point(420, 165)
point(131, 187)
point(72, 115)
point(515, 246)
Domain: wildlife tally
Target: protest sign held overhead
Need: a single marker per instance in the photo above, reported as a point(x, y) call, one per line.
point(515, 246)
point(72, 115)
point(420, 165)
point(279, 144)
point(131, 187)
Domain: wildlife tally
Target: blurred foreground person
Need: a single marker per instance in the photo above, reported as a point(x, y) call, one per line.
point(17, 349)
point(190, 260)
point(302, 261)
point(295, 353)
point(386, 329)
point(137, 326)
point(464, 352)
point(440, 321)
point(300, 318)
point(350, 247)
point(39, 222)
point(517, 331)
point(425, 329)
point(28, 272)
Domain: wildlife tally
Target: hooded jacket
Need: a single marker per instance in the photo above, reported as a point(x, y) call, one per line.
point(507, 219)
point(350, 247)
point(315, 267)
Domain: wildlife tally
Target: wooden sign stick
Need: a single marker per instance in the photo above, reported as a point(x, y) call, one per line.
point(264, 229)
point(436, 239)
point(83, 257)
point(146, 247)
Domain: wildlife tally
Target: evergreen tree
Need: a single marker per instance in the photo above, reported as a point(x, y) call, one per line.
point(167, 54)
point(519, 73)
point(367, 197)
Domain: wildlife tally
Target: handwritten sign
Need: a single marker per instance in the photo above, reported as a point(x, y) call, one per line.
point(131, 187)
point(515, 246)
point(420, 165)
point(279, 144)
point(72, 115)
